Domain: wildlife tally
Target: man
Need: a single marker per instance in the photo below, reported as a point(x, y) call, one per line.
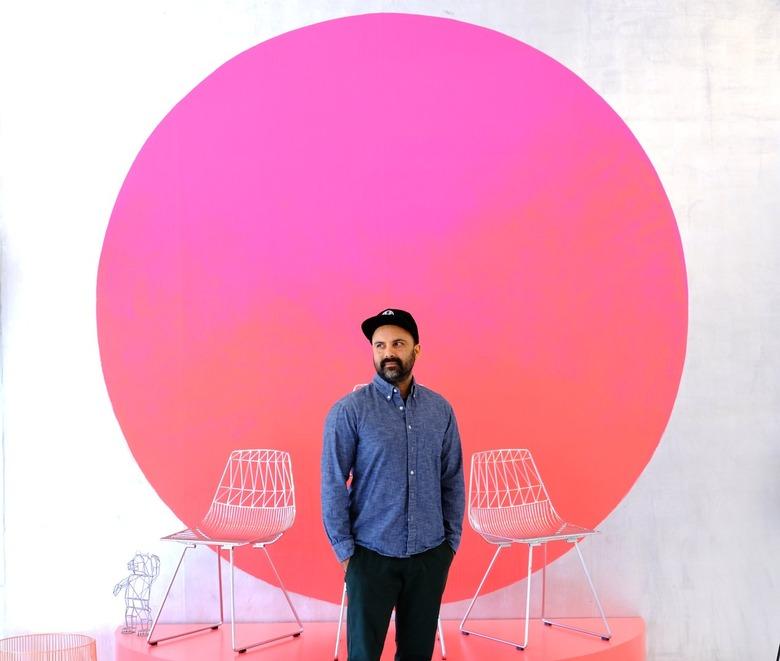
point(395, 528)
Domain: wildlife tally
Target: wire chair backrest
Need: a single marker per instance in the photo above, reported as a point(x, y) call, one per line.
point(255, 498)
point(507, 497)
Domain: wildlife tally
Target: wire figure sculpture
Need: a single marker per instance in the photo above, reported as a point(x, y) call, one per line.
point(509, 504)
point(254, 505)
point(144, 569)
point(439, 629)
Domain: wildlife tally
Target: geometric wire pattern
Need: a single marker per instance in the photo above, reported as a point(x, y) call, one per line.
point(509, 502)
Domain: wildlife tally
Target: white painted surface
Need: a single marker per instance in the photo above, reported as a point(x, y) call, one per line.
point(694, 547)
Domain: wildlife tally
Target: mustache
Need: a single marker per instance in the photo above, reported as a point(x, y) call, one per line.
point(388, 361)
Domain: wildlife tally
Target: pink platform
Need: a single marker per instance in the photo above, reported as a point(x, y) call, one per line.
point(318, 638)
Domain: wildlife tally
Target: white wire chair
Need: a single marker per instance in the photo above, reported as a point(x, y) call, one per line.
point(254, 505)
point(509, 504)
point(439, 629)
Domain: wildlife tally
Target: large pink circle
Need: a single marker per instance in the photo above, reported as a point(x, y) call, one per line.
point(392, 160)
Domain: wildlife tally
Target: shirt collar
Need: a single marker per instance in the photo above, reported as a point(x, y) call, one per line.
point(387, 388)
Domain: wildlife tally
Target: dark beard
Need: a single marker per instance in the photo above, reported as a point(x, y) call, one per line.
point(397, 375)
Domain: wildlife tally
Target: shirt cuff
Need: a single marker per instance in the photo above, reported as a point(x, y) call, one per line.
point(344, 549)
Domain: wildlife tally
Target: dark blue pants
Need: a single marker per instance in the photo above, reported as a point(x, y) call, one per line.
point(413, 586)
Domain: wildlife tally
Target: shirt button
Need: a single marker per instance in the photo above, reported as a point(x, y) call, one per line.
point(388, 397)
point(401, 408)
point(411, 472)
point(410, 426)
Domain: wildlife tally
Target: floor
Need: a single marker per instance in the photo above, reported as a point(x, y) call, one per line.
point(318, 640)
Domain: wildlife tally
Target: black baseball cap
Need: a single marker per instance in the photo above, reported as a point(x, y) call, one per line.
point(391, 317)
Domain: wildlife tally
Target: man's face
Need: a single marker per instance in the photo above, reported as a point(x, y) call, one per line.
point(394, 353)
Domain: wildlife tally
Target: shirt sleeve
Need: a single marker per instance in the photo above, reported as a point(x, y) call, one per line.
point(453, 491)
point(338, 455)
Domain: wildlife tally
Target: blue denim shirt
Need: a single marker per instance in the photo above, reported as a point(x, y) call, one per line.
point(407, 493)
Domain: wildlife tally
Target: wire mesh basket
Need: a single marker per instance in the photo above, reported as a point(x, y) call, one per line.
point(48, 647)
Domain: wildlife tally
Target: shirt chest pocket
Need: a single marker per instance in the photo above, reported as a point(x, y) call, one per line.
point(382, 443)
point(429, 436)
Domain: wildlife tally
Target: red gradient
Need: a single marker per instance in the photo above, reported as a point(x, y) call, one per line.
point(406, 161)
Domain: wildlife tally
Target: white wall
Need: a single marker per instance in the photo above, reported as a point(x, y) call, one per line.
point(693, 548)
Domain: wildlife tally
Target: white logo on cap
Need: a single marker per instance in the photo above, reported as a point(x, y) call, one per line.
point(388, 312)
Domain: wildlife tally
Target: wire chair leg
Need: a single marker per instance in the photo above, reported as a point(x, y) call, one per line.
point(149, 637)
point(219, 576)
point(293, 634)
point(233, 602)
point(341, 621)
point(479, 589)
point(467, 632)
point(440, 629)
point(284, 590)
point(528, 595)
point(524, 644)
point(607, 634)
point(544, 577)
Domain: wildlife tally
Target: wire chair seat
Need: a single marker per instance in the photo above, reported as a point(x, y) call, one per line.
point(523, 524)
point(235, 525)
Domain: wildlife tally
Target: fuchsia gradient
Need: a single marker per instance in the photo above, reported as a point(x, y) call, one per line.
point(392, 160)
